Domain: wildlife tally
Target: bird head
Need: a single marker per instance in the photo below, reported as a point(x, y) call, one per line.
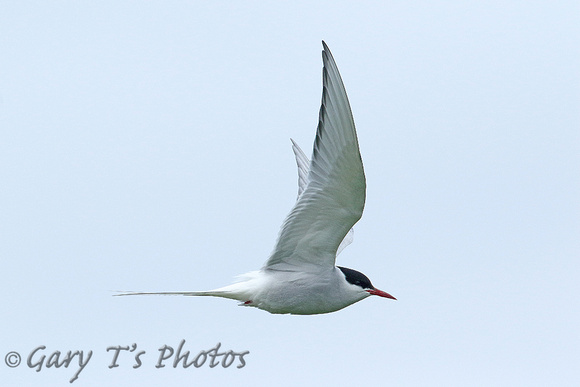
point(359, 279)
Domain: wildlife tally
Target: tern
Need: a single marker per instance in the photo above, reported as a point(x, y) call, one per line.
point(300, 276)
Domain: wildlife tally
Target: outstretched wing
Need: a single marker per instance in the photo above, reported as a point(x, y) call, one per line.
point(334, 196)
point(303, 164)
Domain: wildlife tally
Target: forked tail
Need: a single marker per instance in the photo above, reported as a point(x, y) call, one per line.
point(212, 293)
point(202, 293)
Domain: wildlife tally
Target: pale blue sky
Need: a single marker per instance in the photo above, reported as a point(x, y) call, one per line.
point(145, 146)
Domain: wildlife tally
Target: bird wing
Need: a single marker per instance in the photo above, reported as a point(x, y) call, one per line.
point(303, 166)
point(334, 196)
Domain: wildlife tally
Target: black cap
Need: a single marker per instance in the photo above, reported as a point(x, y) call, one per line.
point(356, 278)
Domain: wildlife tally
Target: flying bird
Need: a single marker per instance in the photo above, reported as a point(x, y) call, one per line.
point(300, 276)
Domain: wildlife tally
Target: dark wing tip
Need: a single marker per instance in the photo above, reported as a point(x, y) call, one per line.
point(325, 47)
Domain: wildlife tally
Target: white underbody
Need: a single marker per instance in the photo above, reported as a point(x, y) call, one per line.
point(282, 292)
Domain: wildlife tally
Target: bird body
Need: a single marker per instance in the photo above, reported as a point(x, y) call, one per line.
point(300, 276)
point(287, 292)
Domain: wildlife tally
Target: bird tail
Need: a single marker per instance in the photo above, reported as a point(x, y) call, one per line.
point(225, 292)
point(237, 291)
point(202, 293)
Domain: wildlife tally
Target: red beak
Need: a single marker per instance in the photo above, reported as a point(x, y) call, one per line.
point(380, 293)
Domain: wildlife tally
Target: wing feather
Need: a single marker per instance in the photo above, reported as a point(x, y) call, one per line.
point(334, 196)
point(303, 166)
